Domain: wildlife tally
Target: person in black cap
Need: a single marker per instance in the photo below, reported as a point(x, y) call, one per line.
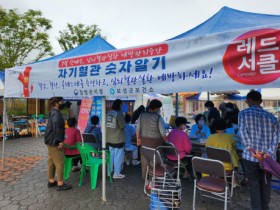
point(54, 137)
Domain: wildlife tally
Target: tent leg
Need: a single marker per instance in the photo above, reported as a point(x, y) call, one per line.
point(103, 148)
point(4, 132)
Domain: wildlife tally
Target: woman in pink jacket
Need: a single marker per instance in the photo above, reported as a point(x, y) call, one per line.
point(181, 141)
point(73, 135)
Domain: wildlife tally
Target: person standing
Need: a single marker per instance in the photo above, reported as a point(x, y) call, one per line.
point(54, 137)
point(223, 107)
point(259, 130)
point(150, 131)
point(115, 125)
point(213, 113)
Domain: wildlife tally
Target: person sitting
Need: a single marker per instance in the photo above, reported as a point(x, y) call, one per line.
point(223, 140)
point(233, 128)
point(96, 131)
point(200, 130)
point(180, 139)
point(130, 132)
point(73, 136)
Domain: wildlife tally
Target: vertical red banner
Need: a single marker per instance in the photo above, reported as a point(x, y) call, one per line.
point(84, 114)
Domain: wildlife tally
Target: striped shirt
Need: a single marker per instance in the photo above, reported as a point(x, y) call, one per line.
point(151, 125)
point(259, 130)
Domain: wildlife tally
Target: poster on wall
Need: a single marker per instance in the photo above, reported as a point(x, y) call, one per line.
point(84, 114)
point(96, 109)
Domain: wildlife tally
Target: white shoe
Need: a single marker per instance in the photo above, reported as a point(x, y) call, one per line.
point(118, 176)
point(127, 162)
point(136, 162)
point(76, 168)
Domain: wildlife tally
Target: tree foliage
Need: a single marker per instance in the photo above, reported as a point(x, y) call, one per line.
point(76, 35)
point(23, 37)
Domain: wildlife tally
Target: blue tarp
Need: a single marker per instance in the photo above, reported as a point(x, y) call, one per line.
point(228, 19)
point(94, 45)
point(2, 76)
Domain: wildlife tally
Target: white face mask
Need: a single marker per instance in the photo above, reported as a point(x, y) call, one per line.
point(201, 122)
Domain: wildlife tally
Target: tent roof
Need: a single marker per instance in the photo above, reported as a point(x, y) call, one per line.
point(94, 45)
point(228, 19)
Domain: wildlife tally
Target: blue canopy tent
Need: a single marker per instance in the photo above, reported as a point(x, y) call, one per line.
point(94, 45)
point(228, 19)
point(2, 82)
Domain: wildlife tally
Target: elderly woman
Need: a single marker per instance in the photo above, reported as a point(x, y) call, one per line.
point(179, 138)
point(200, 129)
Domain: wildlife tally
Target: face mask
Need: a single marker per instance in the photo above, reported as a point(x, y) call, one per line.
point(61, 106)
point(201, 122)
point(226, 101)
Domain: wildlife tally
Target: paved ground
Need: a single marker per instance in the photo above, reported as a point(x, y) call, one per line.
point(23, 186)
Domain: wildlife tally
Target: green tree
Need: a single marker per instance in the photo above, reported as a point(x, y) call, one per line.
point(76, 35)
point(23, 37)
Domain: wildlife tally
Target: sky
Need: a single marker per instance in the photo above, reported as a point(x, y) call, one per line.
point(128, 23)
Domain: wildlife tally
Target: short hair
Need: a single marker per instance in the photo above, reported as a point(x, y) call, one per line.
point(55, 100)
point(141, 108)
point(219, 124)
point(155, 104)
point(71, 122)
point(197, 117)
point(229, 105)
point(254, 96)
point(94, 120)
point(127, 118)
point(180, 121)
point(209, 104)
point(117, 104)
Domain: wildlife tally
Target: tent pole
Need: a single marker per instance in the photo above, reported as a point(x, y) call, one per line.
point(3, 132)
point(208, 96)
point(103, 124)
point(36, 119)
point(177, 102)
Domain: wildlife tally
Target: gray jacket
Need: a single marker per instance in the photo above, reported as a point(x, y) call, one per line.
point(115, 125)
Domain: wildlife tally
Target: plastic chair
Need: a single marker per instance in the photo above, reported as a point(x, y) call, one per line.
point(214, 184)
point(68, 161)
point(224, 156)
point(93, 159)
point(90, 138)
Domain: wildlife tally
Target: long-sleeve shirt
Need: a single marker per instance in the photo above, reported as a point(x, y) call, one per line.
point(205, 130)
point(181, 141)
point(55, 131)
point(129, 132)
point(224, 141)
point(73, 135)
point(259, 130)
